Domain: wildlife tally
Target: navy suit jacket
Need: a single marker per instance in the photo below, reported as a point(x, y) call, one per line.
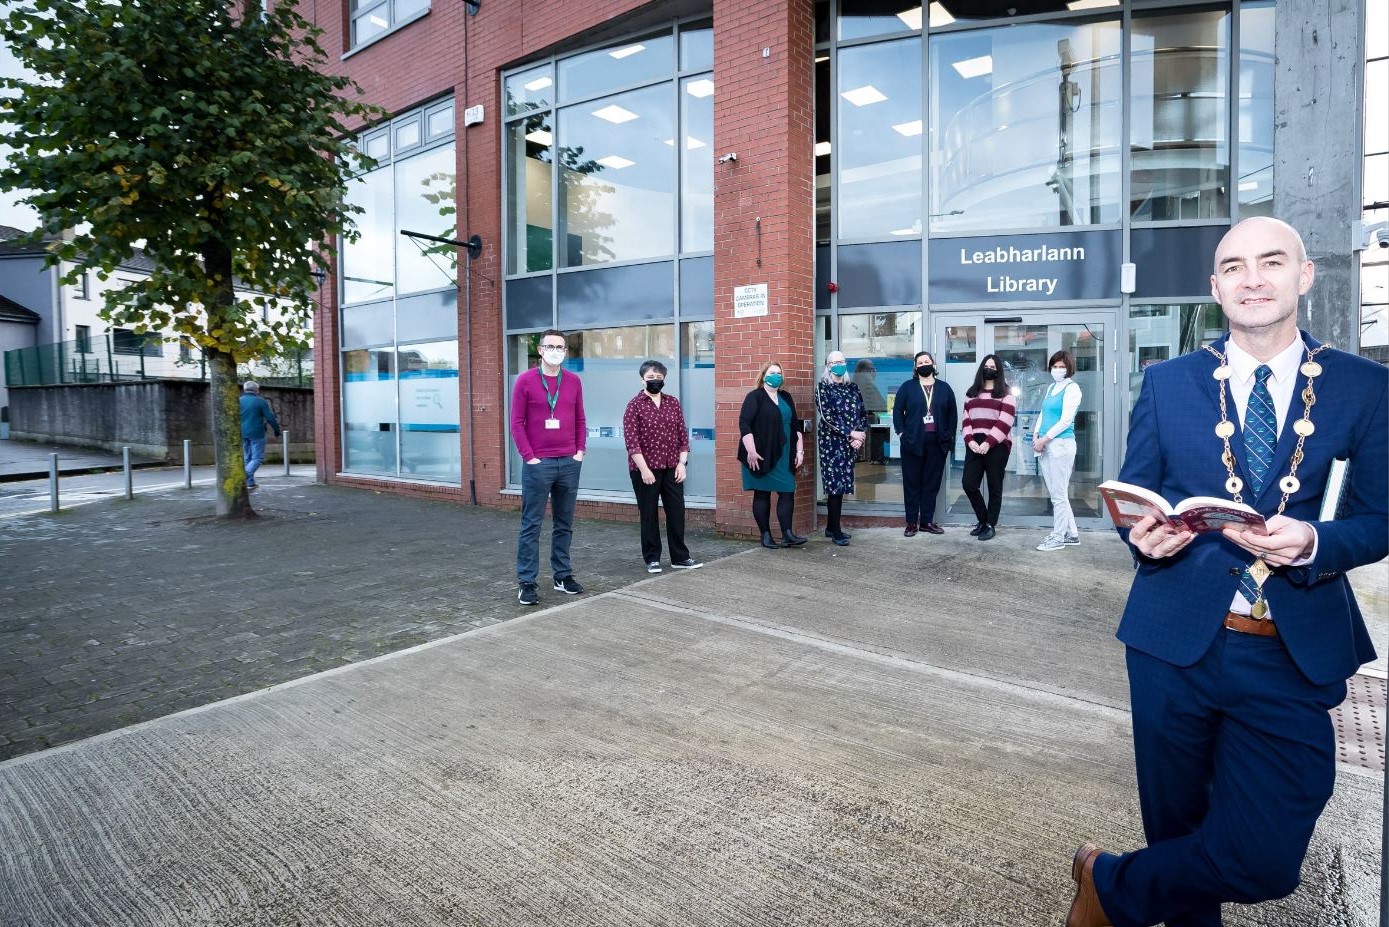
point(1177, 604)
point(910, 407)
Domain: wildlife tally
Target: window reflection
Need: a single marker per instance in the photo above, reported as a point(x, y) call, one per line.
point(1026, 126)
point(697, 402)
point(1178, 137)
point(1255, 186)
point(426, 203)
point(696, 48)
point(697, 164)
point(631, 62)
point(368, 263)
point(429, 443)
point(617, 196)
point(369, 411)
point(861, 18)
point(529, 90)
point(1162, 332)
point(530, 156)
point(880, 126)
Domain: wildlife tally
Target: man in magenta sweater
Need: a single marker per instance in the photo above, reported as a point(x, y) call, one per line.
point(548, 426)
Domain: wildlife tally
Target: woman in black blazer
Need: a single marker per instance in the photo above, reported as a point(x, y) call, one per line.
point(771, 450)
point(925, 417)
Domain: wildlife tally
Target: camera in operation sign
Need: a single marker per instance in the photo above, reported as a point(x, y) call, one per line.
point(749, 300)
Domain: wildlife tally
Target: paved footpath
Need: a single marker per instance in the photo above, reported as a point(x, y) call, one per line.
point(903, 732)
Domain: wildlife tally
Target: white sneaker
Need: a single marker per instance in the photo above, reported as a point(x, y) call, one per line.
point(1072, 540)
point(1052, 542)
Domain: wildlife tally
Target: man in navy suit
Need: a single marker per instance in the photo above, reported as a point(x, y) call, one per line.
point(1231, 681)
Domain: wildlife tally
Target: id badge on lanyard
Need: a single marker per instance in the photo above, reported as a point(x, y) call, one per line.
point(552, 423)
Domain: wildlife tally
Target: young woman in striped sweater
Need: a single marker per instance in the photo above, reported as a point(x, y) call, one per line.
point(990, 409)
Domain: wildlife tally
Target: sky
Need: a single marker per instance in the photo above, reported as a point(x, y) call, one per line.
point(12, 213)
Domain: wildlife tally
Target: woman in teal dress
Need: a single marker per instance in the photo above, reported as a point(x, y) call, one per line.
point(771, 450)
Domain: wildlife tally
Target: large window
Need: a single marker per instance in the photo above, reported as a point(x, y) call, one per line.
point(1178, 138)
point(1255, 184)
point(880, 126)
point(370, 18)
point(1026, 122)
point(399, 327)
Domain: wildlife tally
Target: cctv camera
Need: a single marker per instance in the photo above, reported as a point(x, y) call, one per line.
point(1376, 233)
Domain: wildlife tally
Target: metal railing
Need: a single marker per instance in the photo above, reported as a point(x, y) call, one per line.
point(119, 357)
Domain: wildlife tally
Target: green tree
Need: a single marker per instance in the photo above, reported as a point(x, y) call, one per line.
point(210, 135)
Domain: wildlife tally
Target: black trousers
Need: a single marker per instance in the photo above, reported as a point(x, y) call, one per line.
point(671, 495)
point(921, 475)
point(977, 466)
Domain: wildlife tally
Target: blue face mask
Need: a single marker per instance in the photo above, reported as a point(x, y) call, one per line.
point(839, 369)
point(773, 380)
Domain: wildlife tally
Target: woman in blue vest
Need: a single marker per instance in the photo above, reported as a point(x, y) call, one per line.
point(1054, 440)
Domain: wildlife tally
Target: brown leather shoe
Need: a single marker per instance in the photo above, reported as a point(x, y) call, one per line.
point(910, 532)
point(1085, 909)
point(933, 528)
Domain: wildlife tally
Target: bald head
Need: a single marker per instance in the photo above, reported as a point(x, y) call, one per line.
point(1264, 228)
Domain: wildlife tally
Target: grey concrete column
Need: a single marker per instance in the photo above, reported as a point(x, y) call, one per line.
point(1316, 152)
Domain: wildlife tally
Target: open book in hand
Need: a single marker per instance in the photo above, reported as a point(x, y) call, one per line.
point(1128, 504)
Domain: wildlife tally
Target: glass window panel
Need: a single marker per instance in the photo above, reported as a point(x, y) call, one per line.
point(885, 274)
point(697, 164)
point(368, 263)
point(369, 412)
point(823, 152)
point(440, 121)
point(430, 315)
point(1376, 29)
point(697, 384)
point(696, 48)
point(1256, 76)
point(378, 146)
point(407, 135)
point(404, 9)
point(367, 326)
point(861, 18)
point(530, 156)
point(1377, 105)
point(368, 25)
point(1376, 183)
point(429, 443)
point(529, 90)
point(822, 278)
point(425, 202)
point(617, 164)
point(879, 153)
point(631, 62)
point(697, 288)
point(1174, 261)
point(945, 12)
point(528, 302)
point(878, 348)
point(1178, 116)
point(1026, 126)
point(1374, 300)
point(1159, 333)
point(612, 294)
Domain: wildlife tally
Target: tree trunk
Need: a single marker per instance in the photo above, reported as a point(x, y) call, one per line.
point(233, 501)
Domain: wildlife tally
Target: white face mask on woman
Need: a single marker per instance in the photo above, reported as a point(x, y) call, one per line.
point(1058, 374)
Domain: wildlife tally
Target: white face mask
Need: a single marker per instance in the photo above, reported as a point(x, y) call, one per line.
point(553, 357)
point(1058, 374)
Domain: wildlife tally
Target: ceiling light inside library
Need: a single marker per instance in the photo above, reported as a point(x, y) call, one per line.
point(615, 114)
point(863, 96)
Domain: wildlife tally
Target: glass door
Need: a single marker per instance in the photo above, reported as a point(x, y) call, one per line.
point(1024, 344)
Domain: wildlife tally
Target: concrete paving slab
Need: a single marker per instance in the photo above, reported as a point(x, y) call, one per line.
point(651, 755)
point(23, 460)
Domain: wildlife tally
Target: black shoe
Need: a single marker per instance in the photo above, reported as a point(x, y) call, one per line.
point(689, 563)
point(977, 530)
point(835, 535)
point(791, 539)
point(528, 594)
point(841, 540)
point(910, 532)
point(987, 534)
point(932, 528)
point(767, 541)
point(568, 585)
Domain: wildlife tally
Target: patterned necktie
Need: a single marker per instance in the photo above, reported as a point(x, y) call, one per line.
point(1260, 437)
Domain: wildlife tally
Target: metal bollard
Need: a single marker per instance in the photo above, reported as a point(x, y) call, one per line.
point(187, 464)
point(53, 482)
point(129, 482)
point(284, 435)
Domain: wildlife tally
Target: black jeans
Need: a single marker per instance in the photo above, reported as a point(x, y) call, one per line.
point(671, 495)
point(921, 476)
point(977, 467)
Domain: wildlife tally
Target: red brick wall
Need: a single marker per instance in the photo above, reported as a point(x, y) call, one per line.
point(764, 110)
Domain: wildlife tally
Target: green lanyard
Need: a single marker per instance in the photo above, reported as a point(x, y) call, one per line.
point(552, 400)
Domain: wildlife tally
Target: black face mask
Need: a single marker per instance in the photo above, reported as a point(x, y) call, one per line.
point(990, 373)
point(926, 370)
point(655, 386)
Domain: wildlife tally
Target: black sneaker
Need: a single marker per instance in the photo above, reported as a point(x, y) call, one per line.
point(654, 566)
point(528, 594)
point(569, 585)
point(689, 563)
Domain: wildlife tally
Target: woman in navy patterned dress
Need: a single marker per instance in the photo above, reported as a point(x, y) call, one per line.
point(842, 427)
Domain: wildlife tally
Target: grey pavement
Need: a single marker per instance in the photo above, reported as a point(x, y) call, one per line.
point(22, 460)
point(904, 731)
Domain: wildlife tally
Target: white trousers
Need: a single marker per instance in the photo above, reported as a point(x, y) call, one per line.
point(1056, 462)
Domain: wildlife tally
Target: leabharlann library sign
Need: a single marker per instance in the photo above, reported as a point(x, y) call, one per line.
point(1052, 265)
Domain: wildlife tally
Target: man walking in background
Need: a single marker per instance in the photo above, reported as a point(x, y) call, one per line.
point(550, 431)
point(255, 415)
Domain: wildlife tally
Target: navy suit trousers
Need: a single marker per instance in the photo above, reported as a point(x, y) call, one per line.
point(1236, 760)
